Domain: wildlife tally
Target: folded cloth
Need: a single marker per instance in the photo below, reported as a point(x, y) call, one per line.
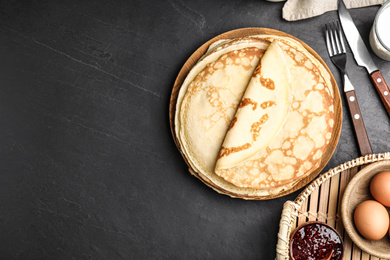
point(301, 9)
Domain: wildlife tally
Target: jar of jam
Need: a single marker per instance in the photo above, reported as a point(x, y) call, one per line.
point(316, 241)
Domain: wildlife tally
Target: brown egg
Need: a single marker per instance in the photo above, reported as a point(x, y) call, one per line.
point(371, 219)
point(380, 188)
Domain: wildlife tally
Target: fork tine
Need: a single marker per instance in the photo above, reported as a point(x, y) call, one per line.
point(327, 38)
point(341, 37)
point(332, 39)
point(336, 38)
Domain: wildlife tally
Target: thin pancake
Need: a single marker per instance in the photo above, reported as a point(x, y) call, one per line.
point(298, 147)
point(209, 97)
point(203, 117)
point(211, 102)
point(262, 110)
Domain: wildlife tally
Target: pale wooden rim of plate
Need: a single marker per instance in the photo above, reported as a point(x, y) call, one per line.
point(242, 33)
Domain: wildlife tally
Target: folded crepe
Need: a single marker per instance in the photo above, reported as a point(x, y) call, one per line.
point(261, 112)
point(297, 134)
point(209, 97)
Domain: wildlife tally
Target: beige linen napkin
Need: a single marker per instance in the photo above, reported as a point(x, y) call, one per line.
point(301, 9)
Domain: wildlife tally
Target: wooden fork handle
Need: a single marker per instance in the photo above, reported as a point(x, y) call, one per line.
point(382, 89)
point(358, 124)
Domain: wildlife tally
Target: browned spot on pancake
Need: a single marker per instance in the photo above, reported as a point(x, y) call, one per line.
point(266, 104)
point(248, 101)
point(292, 52)
point(256, 127)
point(267, 83)
point(232, 123)
point(257, 71)
point(220, 64)
point(213, 97)
point(227, 151)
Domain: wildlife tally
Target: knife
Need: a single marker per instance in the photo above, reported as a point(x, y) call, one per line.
point(361, 54)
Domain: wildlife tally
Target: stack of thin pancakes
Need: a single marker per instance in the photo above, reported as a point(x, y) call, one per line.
point(255, 115)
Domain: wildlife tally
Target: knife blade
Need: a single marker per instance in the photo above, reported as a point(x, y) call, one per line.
point(361, 54)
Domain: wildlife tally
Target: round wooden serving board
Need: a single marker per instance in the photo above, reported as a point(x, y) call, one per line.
point(242, 33)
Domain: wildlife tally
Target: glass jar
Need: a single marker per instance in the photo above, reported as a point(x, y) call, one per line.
point(380, 32)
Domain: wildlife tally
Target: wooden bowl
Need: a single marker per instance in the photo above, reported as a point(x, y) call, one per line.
point(357, 191)
point(242, 33)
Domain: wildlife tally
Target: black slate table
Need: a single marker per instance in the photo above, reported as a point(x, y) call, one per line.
point(88, 166)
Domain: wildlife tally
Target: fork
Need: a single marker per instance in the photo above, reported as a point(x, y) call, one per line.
point(337, 53)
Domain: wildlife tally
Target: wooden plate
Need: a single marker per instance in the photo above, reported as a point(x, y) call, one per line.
point(357, 191)
point(242, 33)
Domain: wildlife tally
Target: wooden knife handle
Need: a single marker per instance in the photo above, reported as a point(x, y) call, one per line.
point(358, 124)
point(382, 88)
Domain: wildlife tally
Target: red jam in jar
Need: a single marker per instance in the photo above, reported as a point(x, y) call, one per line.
point(315, 241)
